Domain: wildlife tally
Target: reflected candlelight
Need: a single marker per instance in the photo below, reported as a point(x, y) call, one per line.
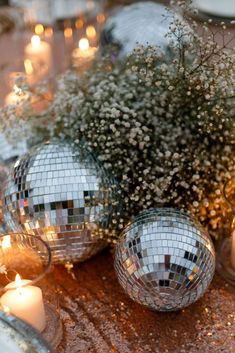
point(79, 23)
point(28, 66)
point(68, 32)
point(91, 32)
point(6, 242)
point(233, 245)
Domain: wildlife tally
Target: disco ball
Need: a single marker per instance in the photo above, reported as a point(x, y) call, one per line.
point(165, 259)
point(54, 193)
point(144, 23)
point(4, 171)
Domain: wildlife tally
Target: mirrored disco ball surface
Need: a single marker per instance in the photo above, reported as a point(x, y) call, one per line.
point(165, 259)
point(55, 194)
point(143, 23)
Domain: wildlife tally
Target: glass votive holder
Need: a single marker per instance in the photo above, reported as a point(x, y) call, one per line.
point(226, 246)
point(19, 337)
point(24, 261)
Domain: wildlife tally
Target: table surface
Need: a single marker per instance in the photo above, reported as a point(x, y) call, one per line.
point(98, 317)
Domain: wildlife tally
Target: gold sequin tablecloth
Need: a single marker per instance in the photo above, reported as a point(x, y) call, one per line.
point(98, 317)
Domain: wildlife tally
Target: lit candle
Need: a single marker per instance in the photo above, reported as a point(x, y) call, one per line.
point(84, 54)
point(233, 250)
point(38, 53)
point(26, 302)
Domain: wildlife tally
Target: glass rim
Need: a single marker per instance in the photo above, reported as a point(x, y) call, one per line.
point(225, 192)
point(47, 267)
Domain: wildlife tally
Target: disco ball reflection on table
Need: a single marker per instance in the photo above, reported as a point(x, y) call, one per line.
point(52, 193)
point(165, 259)
point(144, 23)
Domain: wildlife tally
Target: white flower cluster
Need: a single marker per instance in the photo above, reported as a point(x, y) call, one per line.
point(164, 126)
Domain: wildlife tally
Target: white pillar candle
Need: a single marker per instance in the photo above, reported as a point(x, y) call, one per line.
point(26, 302)
point(233, 250)
point(38, 53)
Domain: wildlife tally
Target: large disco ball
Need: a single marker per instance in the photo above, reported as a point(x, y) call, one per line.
point(165, 259)
point(4, 171)
point(143, 23)
point(54, 193)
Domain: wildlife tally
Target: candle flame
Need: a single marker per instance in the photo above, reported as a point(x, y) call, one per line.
point(18, 282)
point(39, 29)
point(28, 67)
point(83, 44)
point(6, 242)
point(91, 32)
point(233, 223)
point(35, 40)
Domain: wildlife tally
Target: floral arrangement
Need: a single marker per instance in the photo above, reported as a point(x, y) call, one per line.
point(162, 124)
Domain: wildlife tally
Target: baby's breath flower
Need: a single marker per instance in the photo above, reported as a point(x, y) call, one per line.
point(163, 125)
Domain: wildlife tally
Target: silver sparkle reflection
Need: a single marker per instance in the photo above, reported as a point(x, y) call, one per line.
point(143, 23)
point(165, 259)
point(52, 193)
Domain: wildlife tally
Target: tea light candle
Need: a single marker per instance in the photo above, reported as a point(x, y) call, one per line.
point(25, 302)
point(84, 53)
point(38, 53)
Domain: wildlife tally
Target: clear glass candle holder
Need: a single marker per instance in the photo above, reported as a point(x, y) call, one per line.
point(19, 337)
point(29, 257)
point(226, 247)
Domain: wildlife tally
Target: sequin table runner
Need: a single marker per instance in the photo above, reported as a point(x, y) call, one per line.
point(99, 318)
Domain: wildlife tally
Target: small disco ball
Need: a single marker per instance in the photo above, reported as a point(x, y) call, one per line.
point(143, 23)
point(165, 259)
point(65, 199)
